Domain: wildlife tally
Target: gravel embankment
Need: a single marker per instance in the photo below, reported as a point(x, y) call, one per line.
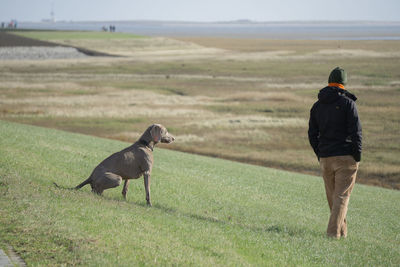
point(14, 47)
point(39, 53)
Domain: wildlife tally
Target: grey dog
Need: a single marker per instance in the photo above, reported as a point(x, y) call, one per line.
point(129, 163)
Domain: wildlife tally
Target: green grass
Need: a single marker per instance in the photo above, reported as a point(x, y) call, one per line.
point(206, 211)
point(75, 35)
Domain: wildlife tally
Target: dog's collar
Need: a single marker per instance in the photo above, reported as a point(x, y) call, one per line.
point(145, 143)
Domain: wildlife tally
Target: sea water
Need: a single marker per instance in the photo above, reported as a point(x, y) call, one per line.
point(266, 30)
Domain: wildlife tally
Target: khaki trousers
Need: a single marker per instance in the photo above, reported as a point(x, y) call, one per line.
point(339, 175)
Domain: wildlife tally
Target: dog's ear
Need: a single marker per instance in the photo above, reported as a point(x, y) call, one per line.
point(156, 133)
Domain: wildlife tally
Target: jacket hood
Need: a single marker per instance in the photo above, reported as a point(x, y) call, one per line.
point(330, 94)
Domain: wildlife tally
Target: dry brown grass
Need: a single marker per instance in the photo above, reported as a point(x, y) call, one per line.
point(297, 46)
point(245, 100)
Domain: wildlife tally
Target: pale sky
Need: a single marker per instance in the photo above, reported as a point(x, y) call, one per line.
point(201, 10)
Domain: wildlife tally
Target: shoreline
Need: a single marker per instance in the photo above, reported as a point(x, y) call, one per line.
point(237, 29)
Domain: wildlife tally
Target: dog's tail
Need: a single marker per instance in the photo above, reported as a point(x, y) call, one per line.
point(87, 181)
point(62, 187)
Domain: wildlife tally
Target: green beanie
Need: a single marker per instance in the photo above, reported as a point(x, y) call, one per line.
point(338, 75)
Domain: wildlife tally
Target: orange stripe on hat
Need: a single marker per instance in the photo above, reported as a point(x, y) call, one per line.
point(337, 85)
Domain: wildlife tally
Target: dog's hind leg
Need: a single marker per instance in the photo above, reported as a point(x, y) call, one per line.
point(106, 181)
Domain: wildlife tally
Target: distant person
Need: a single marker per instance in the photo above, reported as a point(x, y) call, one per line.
point(335, 135)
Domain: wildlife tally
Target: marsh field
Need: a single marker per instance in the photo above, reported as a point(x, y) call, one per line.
point(246, 100)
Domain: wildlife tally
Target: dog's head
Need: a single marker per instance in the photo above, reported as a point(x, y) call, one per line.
point(160, 134)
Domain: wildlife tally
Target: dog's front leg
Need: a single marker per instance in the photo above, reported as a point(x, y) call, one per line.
point(125, 189)
point(147, 187)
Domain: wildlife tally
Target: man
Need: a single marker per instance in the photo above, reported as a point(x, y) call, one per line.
point(335, 135)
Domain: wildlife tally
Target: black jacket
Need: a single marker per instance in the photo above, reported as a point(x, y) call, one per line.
point(334, 126)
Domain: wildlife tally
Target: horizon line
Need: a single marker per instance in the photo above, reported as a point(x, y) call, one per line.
point(240, 21)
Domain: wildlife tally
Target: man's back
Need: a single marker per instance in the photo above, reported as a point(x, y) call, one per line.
point(335, 128)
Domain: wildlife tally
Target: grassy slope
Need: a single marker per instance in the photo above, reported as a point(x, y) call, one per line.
point(206, 211)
